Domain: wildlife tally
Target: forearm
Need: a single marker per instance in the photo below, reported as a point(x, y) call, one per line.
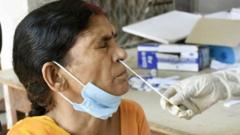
point(232, 75)
point(229, 78)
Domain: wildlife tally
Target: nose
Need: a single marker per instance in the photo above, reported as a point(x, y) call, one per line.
point(119, 54)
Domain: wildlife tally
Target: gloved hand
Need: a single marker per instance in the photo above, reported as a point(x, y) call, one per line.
point(196, 94)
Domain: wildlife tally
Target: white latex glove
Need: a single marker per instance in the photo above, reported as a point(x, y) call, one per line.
point(196, 94)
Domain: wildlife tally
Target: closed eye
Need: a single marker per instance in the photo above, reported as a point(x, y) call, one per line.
point(104, 44)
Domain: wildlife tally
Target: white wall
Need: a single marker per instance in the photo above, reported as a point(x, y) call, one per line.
point(11, 13)
point(33, 4)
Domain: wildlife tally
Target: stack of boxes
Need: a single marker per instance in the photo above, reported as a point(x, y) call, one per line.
point(213, 36)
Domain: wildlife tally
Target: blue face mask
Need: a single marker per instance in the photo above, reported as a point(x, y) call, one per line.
point(96, 101)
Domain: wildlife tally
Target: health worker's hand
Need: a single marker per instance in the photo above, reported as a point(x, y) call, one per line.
point(196, 94)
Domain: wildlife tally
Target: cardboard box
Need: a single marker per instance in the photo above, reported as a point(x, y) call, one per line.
point(220, 31)
point(214, 31)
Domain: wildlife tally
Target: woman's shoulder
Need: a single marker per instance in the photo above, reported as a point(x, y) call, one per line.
point(129, 106)
point(38, 125)
point(133, 121)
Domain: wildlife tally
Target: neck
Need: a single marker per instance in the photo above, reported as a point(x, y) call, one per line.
point(74, 122)
point(83, 124)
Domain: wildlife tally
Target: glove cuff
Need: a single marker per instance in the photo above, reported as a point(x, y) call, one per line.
point(227, 94)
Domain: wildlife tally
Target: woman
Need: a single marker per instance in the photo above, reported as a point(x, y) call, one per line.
point(66, 57)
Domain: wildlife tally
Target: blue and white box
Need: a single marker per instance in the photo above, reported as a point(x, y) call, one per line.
point(173, 57)
point(147, 57)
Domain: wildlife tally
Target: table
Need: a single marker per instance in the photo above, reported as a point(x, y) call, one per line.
point(217, 120)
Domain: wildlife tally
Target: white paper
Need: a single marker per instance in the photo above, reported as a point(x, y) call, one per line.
point(165, 28)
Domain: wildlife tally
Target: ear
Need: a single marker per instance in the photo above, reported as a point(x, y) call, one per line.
point(53, 77)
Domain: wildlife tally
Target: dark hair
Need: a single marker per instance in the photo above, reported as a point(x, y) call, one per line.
point(44, 35)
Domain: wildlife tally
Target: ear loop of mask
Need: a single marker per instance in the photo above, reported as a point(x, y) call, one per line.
point(72, 77)
point(75, 78)
point(148, 84)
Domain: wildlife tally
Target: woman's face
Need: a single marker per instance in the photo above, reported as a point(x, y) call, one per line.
point(94, 58)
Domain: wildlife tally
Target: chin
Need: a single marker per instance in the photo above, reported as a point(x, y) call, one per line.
point(122, 89)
